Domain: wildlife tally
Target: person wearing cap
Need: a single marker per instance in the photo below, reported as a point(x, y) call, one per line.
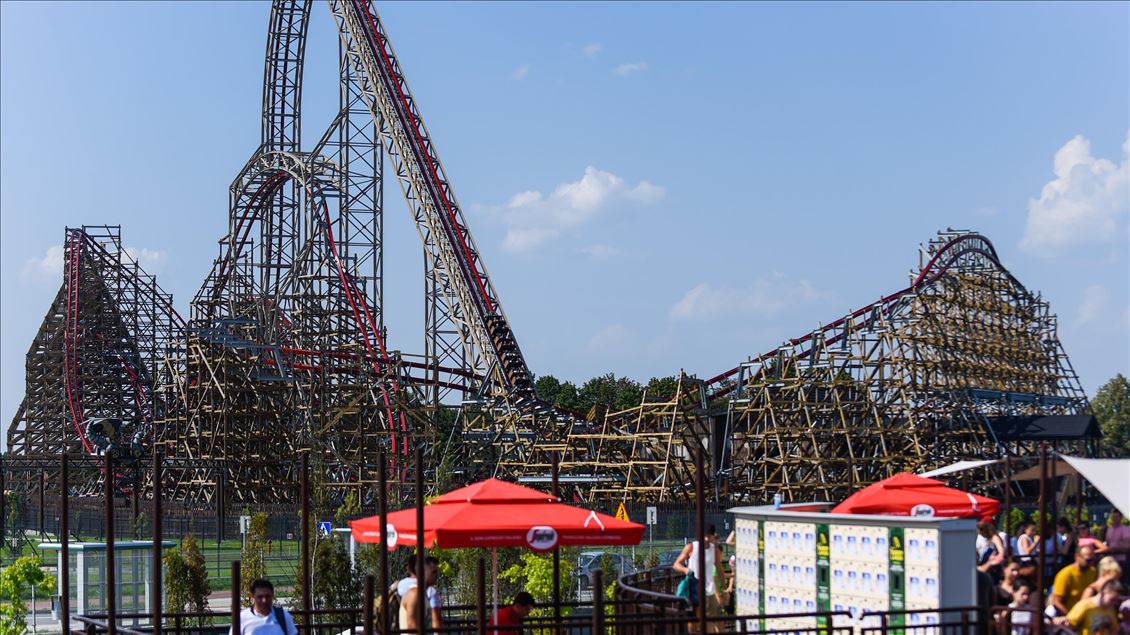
point(508, 619)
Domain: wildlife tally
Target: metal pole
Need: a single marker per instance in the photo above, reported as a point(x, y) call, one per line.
point(367, 607)
point(42, 500)
point(64, 546)
point(700, 522)
point(421, 577)
point(1042, 561)
point(1008, 505)
point(221, 507)
point(556, 554)
point(235, 625)
point(597, 603)
point(111, 590)
point(382, 509)
point(3, 512)
point(1053, 458)
point(157, 601)
point(305, 533)
point(1078, 498)
point(481, 597)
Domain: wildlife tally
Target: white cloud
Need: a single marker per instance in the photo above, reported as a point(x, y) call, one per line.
point(152, 261)
point(1086, 201)
point(1094, 302)
point(521, 72)
point(591, 50)
point(50, 265)
point(767, 296)
point(600, 252)
point(623, 70)
point(612, 339)
point(520, 239)
point(533, 218)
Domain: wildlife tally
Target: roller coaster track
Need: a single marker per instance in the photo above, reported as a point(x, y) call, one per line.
point(937, 266)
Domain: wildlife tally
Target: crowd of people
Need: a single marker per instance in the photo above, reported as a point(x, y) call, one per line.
point(1085, 577)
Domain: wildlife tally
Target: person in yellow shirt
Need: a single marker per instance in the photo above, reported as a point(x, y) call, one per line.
point(1073, 579)
point(1096, 615)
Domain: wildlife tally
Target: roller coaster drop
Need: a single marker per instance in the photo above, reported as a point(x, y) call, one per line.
point(285, 347)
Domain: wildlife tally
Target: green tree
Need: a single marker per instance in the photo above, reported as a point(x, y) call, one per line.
point(661, 388)
point(14, 507)
point(336, 585)
point(251, 563)
point(1111, 406)
point(568, 397)
point(548, 387)
point(16, 580)
point(349, 509)
point(1015, 517)
point(617, 393)
point(186, 578)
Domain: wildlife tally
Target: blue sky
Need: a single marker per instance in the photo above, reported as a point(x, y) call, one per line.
point(653, 186)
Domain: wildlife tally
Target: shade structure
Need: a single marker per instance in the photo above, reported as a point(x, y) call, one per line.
point(912, 495)
point(494, 513)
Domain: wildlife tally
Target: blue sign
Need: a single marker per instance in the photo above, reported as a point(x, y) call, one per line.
point(324, 528)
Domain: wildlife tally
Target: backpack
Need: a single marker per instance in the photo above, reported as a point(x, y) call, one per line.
point(280, 617)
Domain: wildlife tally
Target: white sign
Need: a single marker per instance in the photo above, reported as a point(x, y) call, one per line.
point(324, 528)
point(244, 524)
point(541, 538)
point(922, 511)
point(652, 516)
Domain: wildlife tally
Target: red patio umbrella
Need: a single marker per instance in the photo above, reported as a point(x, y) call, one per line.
point(912, 495)
point(494, 513)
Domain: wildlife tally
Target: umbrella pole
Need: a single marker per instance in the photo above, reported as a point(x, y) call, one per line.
point(494, 579)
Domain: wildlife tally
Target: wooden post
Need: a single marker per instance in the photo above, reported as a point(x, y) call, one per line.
point(64, 546)
point(111, 573)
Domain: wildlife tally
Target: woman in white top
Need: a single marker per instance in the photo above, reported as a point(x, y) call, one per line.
point(687, 563)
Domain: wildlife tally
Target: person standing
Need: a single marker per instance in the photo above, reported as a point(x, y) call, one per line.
point(1118, 543)
point(687, 564)
point(263, 617)
point(1026, 544)
point(410, 595)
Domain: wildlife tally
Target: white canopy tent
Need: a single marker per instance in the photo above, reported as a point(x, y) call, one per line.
point(960, 466)
point(1109, 476)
